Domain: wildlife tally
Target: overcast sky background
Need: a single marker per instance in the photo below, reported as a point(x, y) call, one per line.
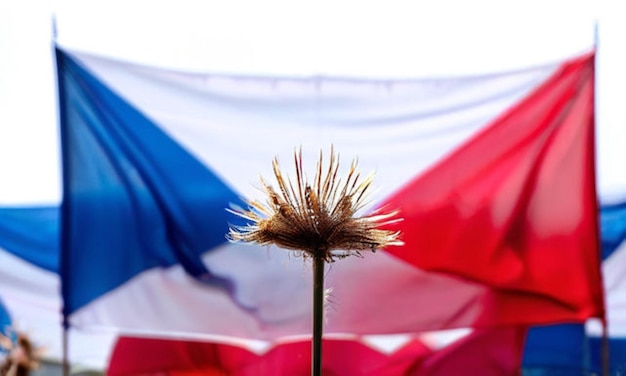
point(390, 39)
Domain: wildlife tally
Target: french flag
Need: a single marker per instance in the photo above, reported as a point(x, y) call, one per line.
point(493, 175)
point(500, 231)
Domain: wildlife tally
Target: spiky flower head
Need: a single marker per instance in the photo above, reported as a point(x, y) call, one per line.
point(316, 218)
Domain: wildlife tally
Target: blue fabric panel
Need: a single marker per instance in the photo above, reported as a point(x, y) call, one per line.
point(133, 198)
point(31, 233)
point(617, 354)
point(556, 346)
point(612, 227)
point(5, 319)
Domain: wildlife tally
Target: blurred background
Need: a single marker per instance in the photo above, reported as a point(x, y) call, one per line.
point(394, 39)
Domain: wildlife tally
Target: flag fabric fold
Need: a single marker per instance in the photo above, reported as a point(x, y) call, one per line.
point(514, 203)
point(125, 198)
point(493, 352)
point(152, 158)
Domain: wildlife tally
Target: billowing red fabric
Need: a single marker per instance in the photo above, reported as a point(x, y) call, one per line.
point(485, 352)
point(494, 352)
point(514, 208)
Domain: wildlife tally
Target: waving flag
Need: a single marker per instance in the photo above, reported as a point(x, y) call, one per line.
point(499, 207)
point(494, 176)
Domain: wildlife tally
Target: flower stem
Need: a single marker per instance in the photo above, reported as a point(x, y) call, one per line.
point(318, 314)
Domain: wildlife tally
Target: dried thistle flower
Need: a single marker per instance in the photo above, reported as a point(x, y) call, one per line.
point(316, 218)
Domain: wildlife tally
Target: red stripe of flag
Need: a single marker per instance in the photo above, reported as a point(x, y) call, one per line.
point(515, 208)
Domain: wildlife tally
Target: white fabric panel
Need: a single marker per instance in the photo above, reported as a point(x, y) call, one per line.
point(361, 118)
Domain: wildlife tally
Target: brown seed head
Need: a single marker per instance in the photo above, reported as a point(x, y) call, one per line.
point(319, 218)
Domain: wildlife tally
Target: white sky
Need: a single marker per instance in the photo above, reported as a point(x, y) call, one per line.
point(323, 37)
